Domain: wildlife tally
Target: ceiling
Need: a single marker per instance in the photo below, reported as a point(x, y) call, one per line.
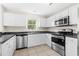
point(43, 9)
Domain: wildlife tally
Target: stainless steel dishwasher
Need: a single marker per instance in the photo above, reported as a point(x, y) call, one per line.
point(21, 41)
point(25, 40)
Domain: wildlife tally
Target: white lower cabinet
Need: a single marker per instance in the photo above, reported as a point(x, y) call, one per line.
point(71, 46)
point(6, 48)
point(12, 45)
point(9, 47)
point(35, 39)
point(48, 39)
point(38, 39)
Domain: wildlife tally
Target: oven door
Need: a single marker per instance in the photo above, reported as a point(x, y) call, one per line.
point(58, 41)
point(54, 40)
point(58, 48)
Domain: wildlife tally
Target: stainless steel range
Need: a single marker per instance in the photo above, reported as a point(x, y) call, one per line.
point(58, 44)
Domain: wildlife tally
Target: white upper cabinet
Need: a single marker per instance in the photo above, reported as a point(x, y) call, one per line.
point(1, 18)
point(57, 16)
point(61, 14)
point(13, 19)
point(1, 12)
point(64, 13)
point(48, 23)
point(52, 20)
point(74, 14)
point(43, 22)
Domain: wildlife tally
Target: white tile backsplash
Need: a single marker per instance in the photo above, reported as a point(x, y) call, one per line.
point(21, 29)
point(55, 29)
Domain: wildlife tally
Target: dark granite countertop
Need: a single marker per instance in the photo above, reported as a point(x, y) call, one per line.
point(4, 38)
point(7, 35)
point(72, 36)
point(29, 32)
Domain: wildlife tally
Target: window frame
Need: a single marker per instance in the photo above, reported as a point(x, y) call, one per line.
point(32, 23)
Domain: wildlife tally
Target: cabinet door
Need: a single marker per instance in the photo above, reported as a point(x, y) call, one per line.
point(36, 39)
point(9, 19)
point(51, 20)
point(1, 14)
point(42, 22)
point(13, 19)
point(6, 48)
point(48, 40)
point(48, 22)
point(71, 46)
point(9, 47)
point(74, 16)
point(20, 20)
point(33, 40)
point(57, 16)
point(12, 45)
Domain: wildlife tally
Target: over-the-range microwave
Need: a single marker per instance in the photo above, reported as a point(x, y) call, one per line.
point(62, 21)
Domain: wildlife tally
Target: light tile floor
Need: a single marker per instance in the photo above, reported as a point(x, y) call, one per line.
point(41, 50)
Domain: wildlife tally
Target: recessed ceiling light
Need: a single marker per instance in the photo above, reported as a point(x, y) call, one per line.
point(50, 4)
